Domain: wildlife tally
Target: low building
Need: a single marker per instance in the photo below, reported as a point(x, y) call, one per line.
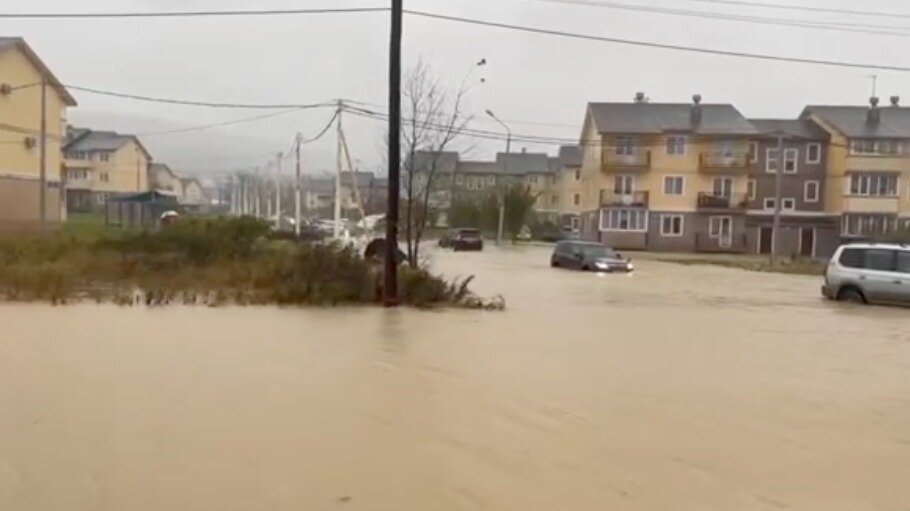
point(21, 76)
point(100, 164)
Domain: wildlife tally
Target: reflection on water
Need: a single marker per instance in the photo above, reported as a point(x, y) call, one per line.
point(673, 388)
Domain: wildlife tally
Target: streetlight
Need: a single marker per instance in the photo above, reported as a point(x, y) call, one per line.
point(502, 205)
point(508, 131)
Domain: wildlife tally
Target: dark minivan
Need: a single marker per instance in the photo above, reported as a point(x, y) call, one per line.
point(462, 239)
point(588, 256)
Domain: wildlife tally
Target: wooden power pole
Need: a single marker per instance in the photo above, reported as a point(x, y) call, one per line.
point(391, 235)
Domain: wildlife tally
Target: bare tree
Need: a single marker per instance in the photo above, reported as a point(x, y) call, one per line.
point(432, 120)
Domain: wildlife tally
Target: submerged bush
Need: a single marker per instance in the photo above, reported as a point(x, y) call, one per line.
point(227, 260)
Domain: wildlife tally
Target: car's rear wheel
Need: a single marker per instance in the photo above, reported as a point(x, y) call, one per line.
point(554, 263)
point(851, 295)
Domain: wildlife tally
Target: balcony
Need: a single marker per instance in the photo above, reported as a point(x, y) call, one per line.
point(731, 243)
point(862, 204)
point(610, 198)
point(723, 162)
point(636, 160)
point(708, 201)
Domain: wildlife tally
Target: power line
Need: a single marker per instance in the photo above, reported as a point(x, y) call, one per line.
point(663, 46)
point(184, 102)
point(186, 14)
point(891, 30)
point(219, 124)
point(806, 8)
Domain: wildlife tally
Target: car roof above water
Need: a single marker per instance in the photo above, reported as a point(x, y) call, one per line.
point(887, 246)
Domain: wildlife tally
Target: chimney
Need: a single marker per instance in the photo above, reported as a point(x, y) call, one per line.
point(695, 114)
point(639, 97)
point(524, 150)
point(874, 115)
point(895, 101)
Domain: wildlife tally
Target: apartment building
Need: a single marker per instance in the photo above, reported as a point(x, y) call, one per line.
point(568, 186)
point(665, 176)
point(100, 164)
point(807, 229)
point(21, 76)
point(868, 166)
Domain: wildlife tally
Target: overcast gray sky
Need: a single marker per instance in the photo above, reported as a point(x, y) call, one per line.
point(537, 78)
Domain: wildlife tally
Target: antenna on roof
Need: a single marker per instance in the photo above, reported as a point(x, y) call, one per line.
point(874, 84)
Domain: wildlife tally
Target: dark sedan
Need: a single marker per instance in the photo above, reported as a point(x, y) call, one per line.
point(588, 256)
point(462, 240)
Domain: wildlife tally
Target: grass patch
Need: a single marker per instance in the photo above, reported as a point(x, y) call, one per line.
point(791, 267)
point(211, 261)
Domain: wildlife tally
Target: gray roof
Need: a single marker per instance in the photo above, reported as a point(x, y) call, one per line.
point(319, 185)
point(479, 167)
point(524, 163)
point(799, 128)
point(570, 156)
point(851, 121)
point(83, 139)
point(645, 118)
point(446, 161)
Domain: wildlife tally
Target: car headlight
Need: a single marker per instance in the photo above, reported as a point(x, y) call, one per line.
point(629, 266)
point(601, 265)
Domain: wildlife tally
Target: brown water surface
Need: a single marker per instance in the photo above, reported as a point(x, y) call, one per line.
point(676, 388)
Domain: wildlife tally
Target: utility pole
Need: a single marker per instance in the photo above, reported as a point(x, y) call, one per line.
point(336, 228)
point(256, 193)
point(138, 172)
point(42, 195)
point(278, 192)
point(297, 188)
point(502, 202)
point(391, 234)
point(778, 185)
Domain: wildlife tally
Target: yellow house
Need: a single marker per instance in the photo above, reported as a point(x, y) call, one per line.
point(100, 164)
point(665, 176)
point(568, 186)
point(21, 76)
point(868, 166)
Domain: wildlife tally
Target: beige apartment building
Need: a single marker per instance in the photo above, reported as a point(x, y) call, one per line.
point(21, 76)
point(100, 164)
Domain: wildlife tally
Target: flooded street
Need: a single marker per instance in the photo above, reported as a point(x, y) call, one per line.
point(676, 388)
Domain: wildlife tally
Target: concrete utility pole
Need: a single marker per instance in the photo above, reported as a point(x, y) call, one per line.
point(256, 194)
point(391, 234)
point(42, 194)
point(778, 184)
point(278, 191)
point(502, 202)
point(297, 188)
point(336, 228)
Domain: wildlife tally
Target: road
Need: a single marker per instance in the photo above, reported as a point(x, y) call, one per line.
point(675, 388)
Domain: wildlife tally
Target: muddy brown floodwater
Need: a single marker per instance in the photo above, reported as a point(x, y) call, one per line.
point(677, 388)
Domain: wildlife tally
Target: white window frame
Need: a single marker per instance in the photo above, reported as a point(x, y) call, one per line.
point(578, 174)
point(785, 200)
point(641, 216)
point(682, 185)
point(554, 200)
point(770, 158)
point(768, 200)
point(753, 152)
point(791, 154)
point(576, 199)
point(671, 216)
point(752, 189)
point(806, 197)
point(622, 180)
point(715, 221)
point(818, 151)
point(673, 141)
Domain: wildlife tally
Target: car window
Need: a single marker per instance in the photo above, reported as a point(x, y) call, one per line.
point(852, 257)
point(903, 262)
point(881, 260)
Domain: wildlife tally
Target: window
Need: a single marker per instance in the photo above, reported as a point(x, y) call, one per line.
point(105, 177)
point(554, 200)
point(459, 179)
point(491, 180)
point(864, 224)
point(788, 204)
point(753, 152)
point(673, 185)
point(813, 153)
point(852, 257)
point(671, 225)
point(878, 147)
point(576, 199)
point(722, 187)
point(676, 145)
point(532, 179)
point(623, 184)
point(575, 222)
point(810, 191)
point(769, 203)
point(791, 156)
point(100, 198)
point(624, 219)
point(750, 189)
point(881, 260)
point(625, 145)
point(865, 184)
point(578, 174)
point(903, 262)
point(105, 156)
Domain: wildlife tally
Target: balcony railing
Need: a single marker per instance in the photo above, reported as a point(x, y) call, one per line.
point(729, 243)
point(708, 200)
point(723, 162)
point(632, 199)
point(634, 159)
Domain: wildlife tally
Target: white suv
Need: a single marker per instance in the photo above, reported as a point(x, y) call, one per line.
point(869, 273)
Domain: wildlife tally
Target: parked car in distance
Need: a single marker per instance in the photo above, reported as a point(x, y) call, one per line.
point(462, 239)
point(869, 273)
point(588, 256)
